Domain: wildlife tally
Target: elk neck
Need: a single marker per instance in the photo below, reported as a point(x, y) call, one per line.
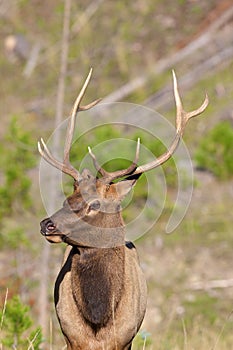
point(97, 277)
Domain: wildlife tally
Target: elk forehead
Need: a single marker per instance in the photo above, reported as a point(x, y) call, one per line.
point(90, 187)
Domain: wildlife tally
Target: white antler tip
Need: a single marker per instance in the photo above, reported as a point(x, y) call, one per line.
point(174, 79)
point(39, 146)
point(138, 144)
point(206, 102)
point(174, 74)
point(90, 152)
point(176, 94)
point(206, 99)
point(90, 74)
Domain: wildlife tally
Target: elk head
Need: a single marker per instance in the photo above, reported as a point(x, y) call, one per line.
point(91, 216)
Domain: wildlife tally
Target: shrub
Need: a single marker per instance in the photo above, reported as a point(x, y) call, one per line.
point(215, 152)
point(17, 158)
point(16, 327)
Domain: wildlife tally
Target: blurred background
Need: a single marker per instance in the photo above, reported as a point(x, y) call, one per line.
point(132, 46)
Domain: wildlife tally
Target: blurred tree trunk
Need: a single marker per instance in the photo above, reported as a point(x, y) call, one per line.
point(44, 313)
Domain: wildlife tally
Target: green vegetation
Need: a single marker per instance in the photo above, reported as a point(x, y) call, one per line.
point(202, 306)
point(15, 197)
point(17, 158)
point(215, 152)
point(107, 132)
point(17, 331)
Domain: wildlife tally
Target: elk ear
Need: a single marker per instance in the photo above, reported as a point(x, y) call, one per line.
point(124, 187)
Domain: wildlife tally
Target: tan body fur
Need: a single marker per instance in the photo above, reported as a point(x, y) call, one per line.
point(118, 333)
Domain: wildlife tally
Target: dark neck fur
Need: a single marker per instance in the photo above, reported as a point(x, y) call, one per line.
point(97, 282)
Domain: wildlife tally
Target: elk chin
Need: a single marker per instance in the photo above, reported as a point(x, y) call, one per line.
point(54, 238)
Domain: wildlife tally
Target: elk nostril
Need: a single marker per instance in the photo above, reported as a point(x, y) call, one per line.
point(50, 227)
point(47, 226)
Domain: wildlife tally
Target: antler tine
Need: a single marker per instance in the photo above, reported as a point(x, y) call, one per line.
point(137, 151)
point(179, 106)
point(46, 154)
point(182, 117)
point(89, 106)
point(96, 164)
point(76, 107)
point(110, 176)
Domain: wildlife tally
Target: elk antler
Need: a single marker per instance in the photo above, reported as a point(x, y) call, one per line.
point(182, 118)
point(66, 167)
point(109, 176)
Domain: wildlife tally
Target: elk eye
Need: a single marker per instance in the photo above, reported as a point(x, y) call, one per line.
point(95, 205)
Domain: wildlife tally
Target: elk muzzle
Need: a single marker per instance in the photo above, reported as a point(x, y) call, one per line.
point(50, 231)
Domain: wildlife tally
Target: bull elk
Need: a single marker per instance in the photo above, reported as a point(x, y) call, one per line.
point(100, 292)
